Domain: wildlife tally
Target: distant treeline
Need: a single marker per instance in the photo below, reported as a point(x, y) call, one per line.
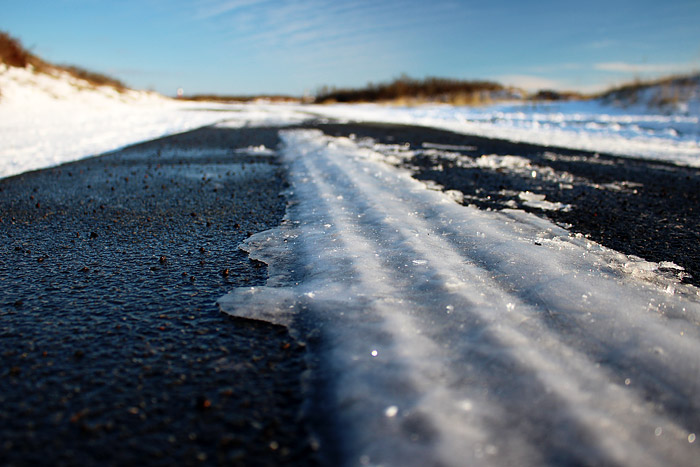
point(223, 98)
point(14, 54)
point(437, 89)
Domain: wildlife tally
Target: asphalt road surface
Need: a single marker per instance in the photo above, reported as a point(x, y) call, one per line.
point(113, 350)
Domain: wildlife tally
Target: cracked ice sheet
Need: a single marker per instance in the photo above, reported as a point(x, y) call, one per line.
point(457, 336)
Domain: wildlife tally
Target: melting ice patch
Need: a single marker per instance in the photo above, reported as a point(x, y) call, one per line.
point(494, 161)
point(454, 336)
point(260, 150)
point(535, 200)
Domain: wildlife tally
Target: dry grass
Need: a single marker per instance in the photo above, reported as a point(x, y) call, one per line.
point(409, 91)
point(14, 54)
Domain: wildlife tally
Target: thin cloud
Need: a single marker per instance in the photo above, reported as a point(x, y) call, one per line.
point(556, 67)
point(624, 67)
point(291, 23)
point(211, 8)
point(326, 36)
point(531, 83)
point(602, 44)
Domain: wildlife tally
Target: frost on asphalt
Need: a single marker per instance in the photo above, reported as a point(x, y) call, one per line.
point(464, 336)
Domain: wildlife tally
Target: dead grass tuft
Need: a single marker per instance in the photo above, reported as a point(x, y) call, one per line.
point(14, 54)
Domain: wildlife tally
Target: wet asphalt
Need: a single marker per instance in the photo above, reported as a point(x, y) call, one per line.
point(113, 350)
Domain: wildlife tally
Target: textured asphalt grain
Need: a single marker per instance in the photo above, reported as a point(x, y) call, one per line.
point(113, 350)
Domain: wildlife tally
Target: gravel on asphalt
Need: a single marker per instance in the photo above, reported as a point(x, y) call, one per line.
point(113, 350)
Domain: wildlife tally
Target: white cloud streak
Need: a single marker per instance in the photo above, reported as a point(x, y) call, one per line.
point(531, 83)
point(624, 67)
point(206, 9)
point(319, 23)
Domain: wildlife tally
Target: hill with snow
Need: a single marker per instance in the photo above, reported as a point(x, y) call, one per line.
point(48, 117)
point(676, 95)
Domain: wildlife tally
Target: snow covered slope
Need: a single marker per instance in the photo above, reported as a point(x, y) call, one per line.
point(672, 96)
point(48, 119)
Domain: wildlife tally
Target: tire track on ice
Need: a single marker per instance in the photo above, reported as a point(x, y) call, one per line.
point(609, 333)
point(432, 317)
point(425, 247)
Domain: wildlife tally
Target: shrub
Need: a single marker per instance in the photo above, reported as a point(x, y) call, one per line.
point(407, 88)
point(12, 53)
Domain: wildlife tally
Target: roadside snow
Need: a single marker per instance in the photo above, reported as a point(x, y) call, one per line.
point(46, 120)
point(464, 337)
point(589, 125)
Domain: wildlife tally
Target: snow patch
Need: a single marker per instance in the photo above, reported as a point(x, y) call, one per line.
point(256, 151)
point(495, 162)
point(534, 200)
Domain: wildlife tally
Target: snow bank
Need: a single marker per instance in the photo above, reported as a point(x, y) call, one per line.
point(464, 337)
point(46, 120)
point(589, 125)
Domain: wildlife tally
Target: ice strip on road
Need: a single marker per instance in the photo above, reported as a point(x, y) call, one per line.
point(454, 336)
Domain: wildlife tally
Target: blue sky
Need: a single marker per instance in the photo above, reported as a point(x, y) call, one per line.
point(273, 46)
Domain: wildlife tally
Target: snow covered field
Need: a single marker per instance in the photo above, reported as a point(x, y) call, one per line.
point(47, 120)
